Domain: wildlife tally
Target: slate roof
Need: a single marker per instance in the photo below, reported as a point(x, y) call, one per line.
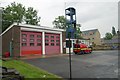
point(111, 41)
point(115, 39)
point(93, 30)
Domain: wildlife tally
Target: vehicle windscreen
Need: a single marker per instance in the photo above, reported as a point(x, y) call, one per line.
point(76, 46)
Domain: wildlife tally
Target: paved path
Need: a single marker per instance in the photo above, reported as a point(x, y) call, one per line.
point(99, 64)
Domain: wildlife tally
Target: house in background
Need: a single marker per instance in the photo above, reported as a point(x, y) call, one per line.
point(93, 35)
point(114, 43)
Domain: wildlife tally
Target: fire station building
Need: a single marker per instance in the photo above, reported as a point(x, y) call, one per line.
point(24, 39)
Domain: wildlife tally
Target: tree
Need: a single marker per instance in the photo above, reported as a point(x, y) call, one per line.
point(108, 36)
point(16, 12)
point(113, 31)
point(78, 32)
point(31, 16)
point(12, 13)
point(60, 22)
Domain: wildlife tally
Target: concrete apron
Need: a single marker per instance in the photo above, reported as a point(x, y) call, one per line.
point(41, 56)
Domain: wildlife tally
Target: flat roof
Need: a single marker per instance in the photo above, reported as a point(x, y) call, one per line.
point(31, 26)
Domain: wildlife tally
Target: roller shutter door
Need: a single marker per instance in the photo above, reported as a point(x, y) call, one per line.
point(31, 43)
point(52, 43)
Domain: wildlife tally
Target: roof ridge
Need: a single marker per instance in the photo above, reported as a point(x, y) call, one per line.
point(90, 30)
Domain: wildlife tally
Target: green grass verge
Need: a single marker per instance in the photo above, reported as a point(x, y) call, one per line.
point(27, 70)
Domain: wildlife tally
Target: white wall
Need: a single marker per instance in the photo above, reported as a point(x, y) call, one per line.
point(74, 41)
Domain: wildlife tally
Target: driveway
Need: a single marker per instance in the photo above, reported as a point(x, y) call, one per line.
point(98, 64)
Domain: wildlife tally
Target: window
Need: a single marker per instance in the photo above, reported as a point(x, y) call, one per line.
point(31, 44)
point(90, 33)
point(52, 40)
point(38, 40)
point(57, 40)
point(46, 36)
point(79, 41)
point(73, 41)
point(31, 40)
point(24, 35)
point(46, 44)
point(24, 40)
point(68, 43)
point(46, 40)
point(85, 33)
point(38, 36)
point(57, 44)
point(31, 36)
point(38, 44)
point(24, 44)
point(52, 44)
point(57, 36)
point(52, 36)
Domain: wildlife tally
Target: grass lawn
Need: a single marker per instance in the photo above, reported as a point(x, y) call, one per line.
point(27, 70)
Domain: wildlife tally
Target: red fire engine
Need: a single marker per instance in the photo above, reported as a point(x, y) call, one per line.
point(81, 48)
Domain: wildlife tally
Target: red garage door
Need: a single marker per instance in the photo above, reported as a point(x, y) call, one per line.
point(52, 43)
point(31, 43)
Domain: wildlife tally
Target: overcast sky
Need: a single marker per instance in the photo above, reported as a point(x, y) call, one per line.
point(91, 14)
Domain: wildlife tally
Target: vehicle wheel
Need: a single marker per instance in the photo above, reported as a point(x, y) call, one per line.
point(79, 53)
point(85, 52)
point(90, 52)
point(82, 52)
point(75, 52)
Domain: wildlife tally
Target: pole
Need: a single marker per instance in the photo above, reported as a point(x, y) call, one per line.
point(10, 48)
point(70, 56)
point(12, 43)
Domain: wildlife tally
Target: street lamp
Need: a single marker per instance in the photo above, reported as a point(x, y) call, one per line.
point(70, 15)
